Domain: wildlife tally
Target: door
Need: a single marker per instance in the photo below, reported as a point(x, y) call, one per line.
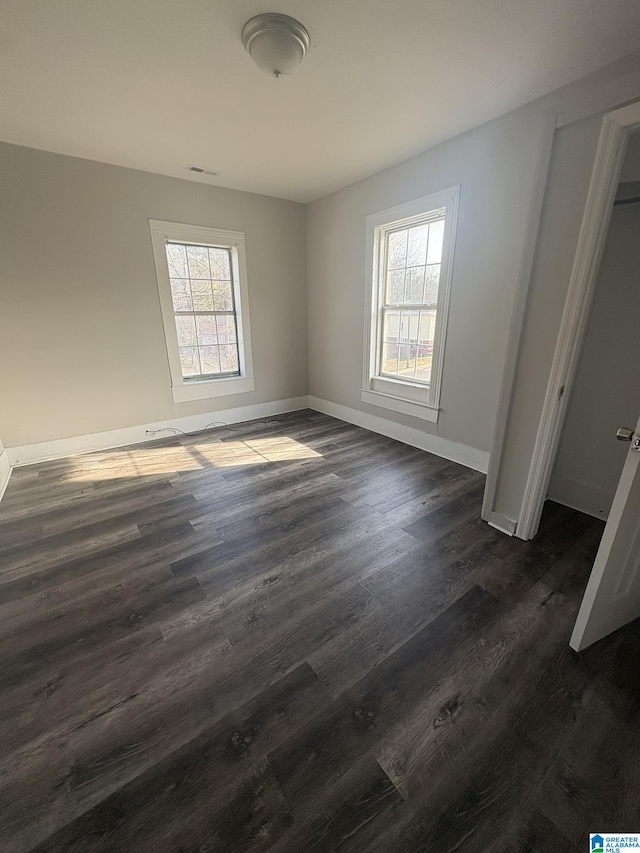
point(612, 597)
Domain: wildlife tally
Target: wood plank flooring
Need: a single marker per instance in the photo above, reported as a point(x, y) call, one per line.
point(296, 635)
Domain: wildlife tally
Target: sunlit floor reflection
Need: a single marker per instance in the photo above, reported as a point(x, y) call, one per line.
point(148, 461)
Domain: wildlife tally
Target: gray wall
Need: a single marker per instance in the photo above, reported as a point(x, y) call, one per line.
point(606, 393)
point(631, 166)
point(81, 341)
point(5, 469)
point(495, 166)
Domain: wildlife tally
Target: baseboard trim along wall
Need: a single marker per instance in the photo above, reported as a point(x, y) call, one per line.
point(5, 471)
point(60, 448)
point(581, 496)
point(29, 454)
point(502, 523)
point(468, 456)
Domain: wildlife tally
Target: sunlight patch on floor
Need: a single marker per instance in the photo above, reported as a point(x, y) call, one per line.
point(148, 461)
point(254, 451)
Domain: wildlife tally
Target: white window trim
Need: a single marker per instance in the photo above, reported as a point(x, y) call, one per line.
point(399, 395)
point(181, 389)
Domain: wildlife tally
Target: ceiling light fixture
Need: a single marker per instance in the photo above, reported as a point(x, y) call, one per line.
point(276, 43)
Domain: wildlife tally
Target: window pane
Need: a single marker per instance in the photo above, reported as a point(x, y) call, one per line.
point(427, 327)
point(229, 358)
point(222, 295)
point(417, 246)
point(177, 261)
point(391, 325)
point(391, 332)
point(209, 359)
point(389, 357)
point(415, 285)
point(409, 326)
point(407, 365)
point(190, 361)
point(425, 345)
point(181, 294)
point(401, 345)
point(202, 295)
point(436, 233)
point(198, 260)
point(226, 329)
point(432, 279)
point(219, 263)
point(397, 250)
point(395, 286)
point(206, 328)
point(423, 373)
point(186, 329)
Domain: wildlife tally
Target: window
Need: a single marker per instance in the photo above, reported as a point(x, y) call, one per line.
point(411, 252)
point(202, 284)
point(201, 279)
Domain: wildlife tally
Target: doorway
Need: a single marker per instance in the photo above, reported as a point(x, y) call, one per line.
point(617, 128)
point(606, 391)
point(612, 596)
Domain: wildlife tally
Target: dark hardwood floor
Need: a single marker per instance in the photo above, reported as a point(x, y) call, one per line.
point(299, 636)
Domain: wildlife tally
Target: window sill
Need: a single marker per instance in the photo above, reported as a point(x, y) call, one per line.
point(212, 388)
point(400, 405)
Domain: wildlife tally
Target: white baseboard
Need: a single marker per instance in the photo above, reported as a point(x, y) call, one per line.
point(60, 448)
point(468, 456)
point(5, 471)
point(502, 523)
point(29, 454)
point(581, 496)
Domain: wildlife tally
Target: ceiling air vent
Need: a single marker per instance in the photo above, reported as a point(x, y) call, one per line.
point(200, 171)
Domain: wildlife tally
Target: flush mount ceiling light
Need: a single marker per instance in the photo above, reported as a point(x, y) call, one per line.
point(276, 43)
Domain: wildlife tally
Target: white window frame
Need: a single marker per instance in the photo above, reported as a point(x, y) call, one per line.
point(419, 399)
point(182, 389)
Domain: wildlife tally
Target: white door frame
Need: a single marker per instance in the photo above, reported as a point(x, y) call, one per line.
point(616, 127)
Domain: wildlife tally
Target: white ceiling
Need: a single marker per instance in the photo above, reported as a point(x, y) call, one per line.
point(159, 84)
